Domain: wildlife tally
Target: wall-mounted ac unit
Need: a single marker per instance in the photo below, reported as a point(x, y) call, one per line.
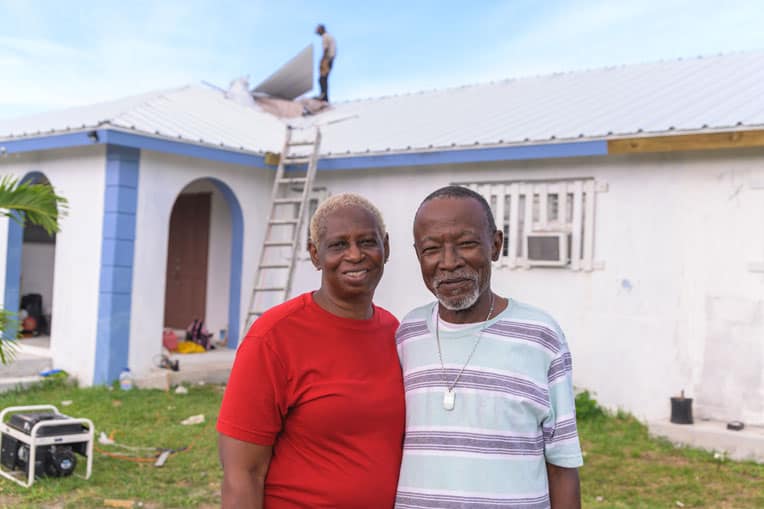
point(548, 249)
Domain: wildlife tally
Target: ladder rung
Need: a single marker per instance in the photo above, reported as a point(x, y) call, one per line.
point(278, 243)
point(296, 160)
point(301, 143)
point(274, 266)
point(270, 289)
point(279, 201)
point(282, 221)
point(296, 180)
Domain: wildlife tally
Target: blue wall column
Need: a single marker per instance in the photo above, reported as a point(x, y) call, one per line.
point(116, 278)
point(13, 271)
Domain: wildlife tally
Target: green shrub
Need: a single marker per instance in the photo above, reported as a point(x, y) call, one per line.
point(587, 408)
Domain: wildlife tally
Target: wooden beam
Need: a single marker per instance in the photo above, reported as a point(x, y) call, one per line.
point(272, 158)
point(683, 142)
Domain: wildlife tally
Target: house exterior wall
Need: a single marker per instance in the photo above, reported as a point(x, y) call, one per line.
point(78, 175)
point(162, 178)
point(675, 306)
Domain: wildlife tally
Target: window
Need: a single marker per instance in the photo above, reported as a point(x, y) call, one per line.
point(545, 222)
point(317, 195)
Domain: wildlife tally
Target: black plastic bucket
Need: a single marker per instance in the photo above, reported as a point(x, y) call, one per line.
point(681, 410)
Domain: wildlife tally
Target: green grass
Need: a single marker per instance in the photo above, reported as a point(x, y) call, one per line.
point(624, 467)
point(149, 418)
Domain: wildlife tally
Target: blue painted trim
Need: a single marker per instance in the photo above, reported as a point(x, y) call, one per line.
point(131, 140)
point(237, 253)
point(182, 148)
point(13, 260)
point(47, 142)
point(476, 155)
point(117, 254)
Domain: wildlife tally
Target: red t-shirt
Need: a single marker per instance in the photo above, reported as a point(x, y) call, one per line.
point(327, 393)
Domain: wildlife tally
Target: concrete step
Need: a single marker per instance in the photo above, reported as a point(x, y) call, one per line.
point(18, 382)
point(25, 364)
point(713, 436)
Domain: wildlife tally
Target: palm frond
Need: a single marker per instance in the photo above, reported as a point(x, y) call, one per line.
point(8, 345)
point(39, 203)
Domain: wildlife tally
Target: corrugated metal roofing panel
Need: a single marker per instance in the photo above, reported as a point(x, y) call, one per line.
point(293, 78)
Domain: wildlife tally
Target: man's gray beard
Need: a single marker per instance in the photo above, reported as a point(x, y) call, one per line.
point(460, 303)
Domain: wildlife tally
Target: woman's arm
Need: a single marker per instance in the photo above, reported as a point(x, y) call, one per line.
point(244, 468)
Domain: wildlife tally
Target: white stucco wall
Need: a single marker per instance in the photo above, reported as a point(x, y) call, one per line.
point(679, 230)
point(37, 262)
point(162, 178)
point(78, 175)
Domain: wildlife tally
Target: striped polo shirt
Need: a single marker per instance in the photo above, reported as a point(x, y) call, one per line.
point(514, 411)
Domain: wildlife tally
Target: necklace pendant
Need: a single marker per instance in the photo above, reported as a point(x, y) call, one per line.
point(449, 398)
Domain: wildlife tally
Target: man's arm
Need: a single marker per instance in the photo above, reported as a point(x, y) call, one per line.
point(244, 468)
point(564, 490)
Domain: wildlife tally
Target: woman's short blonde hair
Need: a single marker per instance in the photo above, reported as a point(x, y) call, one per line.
point(337, 202)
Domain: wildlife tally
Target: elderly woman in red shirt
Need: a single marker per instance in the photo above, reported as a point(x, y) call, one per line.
point(313, 414)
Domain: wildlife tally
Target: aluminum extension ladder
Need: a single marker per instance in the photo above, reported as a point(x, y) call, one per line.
point(279, 253)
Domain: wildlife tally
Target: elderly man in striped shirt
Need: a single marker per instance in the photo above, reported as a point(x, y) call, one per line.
point(490, 414)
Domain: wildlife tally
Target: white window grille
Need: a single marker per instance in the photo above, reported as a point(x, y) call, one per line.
point(545, 222)
point(317, 195)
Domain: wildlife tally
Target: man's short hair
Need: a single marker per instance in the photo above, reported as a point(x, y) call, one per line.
point(340, 201)
point(463, 193)
point(320, 28)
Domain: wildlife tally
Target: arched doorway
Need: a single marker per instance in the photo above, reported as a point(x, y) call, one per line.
point(204, 260)
point(30, 263)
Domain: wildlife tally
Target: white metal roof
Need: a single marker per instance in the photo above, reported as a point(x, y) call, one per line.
point(698, 94)
point(193, 113)
point(705, 94)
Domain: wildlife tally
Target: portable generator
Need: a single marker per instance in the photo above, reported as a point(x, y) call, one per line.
point(39, 441)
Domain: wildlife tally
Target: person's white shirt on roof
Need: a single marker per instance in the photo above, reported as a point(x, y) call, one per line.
point(329, 45)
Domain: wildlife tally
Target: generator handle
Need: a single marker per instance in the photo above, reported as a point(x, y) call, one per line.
point(15, 409)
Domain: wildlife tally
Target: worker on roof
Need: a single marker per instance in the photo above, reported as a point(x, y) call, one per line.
point(327, 59)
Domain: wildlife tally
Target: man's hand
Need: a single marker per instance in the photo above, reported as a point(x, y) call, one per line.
point(564, 488)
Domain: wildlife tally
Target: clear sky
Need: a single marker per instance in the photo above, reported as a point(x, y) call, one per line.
point(60, 53)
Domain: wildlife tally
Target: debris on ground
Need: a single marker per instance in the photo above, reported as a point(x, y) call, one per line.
point(194, 419)
point(111, 502)
point(103, 439)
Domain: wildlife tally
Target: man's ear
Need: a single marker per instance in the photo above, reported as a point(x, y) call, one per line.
point(386, 245)
point(313, 250)
point(497, 245)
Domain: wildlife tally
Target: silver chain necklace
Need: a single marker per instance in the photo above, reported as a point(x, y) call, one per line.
point(449, 397)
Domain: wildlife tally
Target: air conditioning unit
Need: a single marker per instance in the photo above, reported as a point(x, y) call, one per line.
point(547, 249)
